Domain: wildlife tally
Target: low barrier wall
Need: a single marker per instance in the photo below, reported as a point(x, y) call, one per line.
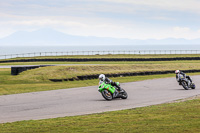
point(95, 76)
point(102, 59)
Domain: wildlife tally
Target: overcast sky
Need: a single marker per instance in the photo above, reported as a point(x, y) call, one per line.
point(134, 19)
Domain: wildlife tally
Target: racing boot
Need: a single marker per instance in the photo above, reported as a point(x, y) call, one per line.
point(119, 89)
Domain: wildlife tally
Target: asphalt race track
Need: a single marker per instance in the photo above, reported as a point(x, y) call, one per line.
point(87, 100)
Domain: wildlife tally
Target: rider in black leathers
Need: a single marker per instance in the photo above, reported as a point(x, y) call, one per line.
point(109, 81)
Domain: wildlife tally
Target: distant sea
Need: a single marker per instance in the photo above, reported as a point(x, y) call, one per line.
point(5, 50)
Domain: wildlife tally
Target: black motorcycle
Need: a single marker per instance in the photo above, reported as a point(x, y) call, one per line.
point(185, 82)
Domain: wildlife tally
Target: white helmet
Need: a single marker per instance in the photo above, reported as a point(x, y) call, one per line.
point(177, 71)
point(102, 77)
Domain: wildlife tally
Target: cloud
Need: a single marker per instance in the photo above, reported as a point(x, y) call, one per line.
point(135, 19)
point(99, 27)
point(43, 22)
point(177, 5)
point(91, 7)
point(70, 25)
point(184, 32)
point(181, 29)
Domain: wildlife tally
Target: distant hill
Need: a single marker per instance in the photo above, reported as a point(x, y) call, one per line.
point(48, 37)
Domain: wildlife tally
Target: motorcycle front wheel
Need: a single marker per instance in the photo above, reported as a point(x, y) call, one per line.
point(107, 95)
point(184, 84)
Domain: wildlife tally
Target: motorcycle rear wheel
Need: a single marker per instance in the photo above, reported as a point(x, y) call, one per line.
point(192, 86)
point(124, 95)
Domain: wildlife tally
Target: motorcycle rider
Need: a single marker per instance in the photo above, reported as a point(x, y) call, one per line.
point(178, 72)
point(103, 78)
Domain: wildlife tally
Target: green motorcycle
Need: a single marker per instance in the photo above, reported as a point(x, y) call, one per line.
point(109, 92)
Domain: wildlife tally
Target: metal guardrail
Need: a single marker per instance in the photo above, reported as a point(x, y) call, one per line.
point(133, 52)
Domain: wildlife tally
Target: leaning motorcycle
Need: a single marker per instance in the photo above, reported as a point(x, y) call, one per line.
point(110, 92)
point(186, 83)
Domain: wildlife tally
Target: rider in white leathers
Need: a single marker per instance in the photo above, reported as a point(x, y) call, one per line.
point(178, 72)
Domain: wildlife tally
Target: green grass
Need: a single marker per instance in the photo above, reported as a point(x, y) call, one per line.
point(182, 117)
point(62, 72)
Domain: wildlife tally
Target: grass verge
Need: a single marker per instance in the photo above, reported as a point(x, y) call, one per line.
point(182, 117)
point(63, 72)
